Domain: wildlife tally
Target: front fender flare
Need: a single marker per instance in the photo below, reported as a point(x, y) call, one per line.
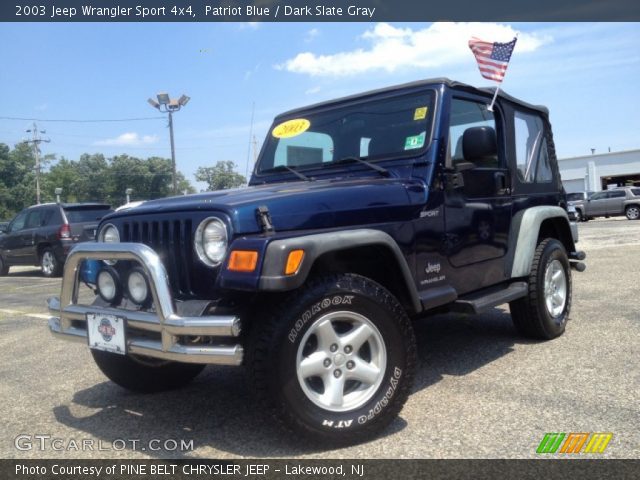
point(272, 277)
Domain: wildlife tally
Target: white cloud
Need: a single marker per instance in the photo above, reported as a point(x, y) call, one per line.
point(312, 91)
point(250, 73)
point(249, 25)
point(392, 49)
point(128, 139)
point(311, 34)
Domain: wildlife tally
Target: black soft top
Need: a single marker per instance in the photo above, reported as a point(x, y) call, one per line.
point(421, 83)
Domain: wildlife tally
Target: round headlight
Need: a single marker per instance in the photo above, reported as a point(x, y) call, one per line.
point(138, 287)
point(109, 234)
point(108, 285)
point(211, 241)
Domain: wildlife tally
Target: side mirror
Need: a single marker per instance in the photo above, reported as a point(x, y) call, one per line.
point(4, 228)
point(479, 145)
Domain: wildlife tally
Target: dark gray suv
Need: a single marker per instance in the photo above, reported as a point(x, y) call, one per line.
point(43, 234)
point(610, 203)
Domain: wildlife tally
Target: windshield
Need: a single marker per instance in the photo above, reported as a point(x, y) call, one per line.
point(572, 197)
point(372, 129)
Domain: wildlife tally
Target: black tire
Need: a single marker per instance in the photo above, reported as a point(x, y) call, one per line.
point(531, 315)
point(4, 268)
point(143, 374)
point(579, 217)
point(276, 345)
point(49, 263)
point(632, 212)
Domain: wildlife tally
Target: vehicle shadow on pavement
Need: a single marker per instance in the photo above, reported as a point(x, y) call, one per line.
point(457, 344)
point(217, 412)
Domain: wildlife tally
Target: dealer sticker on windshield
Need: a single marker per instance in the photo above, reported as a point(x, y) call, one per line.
point(417, 141)
point(420, 113)
point(106, 332)
point(291, 128)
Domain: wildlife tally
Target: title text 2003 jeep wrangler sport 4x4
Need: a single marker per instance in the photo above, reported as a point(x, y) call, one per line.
point(362, 214)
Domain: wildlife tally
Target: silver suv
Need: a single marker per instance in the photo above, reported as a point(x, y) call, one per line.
point(610, 203)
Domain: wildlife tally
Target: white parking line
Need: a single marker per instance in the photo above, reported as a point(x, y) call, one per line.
point(31, 315)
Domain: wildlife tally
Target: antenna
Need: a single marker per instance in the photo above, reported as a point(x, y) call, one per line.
point(253, 110)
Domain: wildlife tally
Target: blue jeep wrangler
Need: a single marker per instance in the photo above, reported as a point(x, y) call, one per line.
point(362, 215)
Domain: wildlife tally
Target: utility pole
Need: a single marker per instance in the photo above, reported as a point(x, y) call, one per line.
point(36, 141)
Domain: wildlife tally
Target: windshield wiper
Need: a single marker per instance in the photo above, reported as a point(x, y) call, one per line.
point(383, 171)
point(280, 168)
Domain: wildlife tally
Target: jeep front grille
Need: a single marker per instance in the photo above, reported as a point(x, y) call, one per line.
point(173, 242)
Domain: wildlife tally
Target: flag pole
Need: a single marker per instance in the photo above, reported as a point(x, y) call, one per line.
point(493, 100)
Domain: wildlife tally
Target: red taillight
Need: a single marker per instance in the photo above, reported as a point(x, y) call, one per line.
point(65, 231)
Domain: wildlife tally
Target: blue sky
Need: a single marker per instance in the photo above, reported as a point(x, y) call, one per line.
point(587, 74)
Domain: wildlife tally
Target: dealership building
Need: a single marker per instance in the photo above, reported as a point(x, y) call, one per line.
point(592, 173)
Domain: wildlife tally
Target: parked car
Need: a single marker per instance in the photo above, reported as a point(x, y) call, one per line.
point(43, 234)
point(362, 214)
point(610, 203)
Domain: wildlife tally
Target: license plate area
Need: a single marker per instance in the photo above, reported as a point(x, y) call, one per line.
point(107, 332)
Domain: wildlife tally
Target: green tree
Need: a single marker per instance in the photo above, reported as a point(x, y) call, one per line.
point(92, 178)
point(17, 179)
point(221, 176)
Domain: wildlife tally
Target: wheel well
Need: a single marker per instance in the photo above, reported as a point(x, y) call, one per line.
point(41, 248)
point(557, 228)
point(376, 262)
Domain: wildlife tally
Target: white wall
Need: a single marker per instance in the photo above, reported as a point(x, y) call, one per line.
point(578, 172)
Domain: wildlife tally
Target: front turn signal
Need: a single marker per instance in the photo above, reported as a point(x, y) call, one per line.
point(294, 260)
point(243, 261)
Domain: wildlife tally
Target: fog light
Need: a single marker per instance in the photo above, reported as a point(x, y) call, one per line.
point(138, 287)
point(108, 284)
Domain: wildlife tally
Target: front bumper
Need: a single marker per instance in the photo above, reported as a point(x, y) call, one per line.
point(161, 334)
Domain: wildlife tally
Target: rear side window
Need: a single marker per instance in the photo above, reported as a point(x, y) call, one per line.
point(636, 191)
point(36, 218)
point(617, 194)
point(532, 156)
point(86, 215)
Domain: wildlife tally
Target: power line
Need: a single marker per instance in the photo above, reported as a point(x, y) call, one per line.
point(67, 120)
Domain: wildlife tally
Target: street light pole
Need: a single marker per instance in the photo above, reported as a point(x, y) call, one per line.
point(173, 154)
point(168, 105)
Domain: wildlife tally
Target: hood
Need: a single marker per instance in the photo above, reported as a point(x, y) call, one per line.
point(301, 205)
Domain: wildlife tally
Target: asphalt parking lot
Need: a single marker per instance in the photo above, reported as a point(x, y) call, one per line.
point(480, 391)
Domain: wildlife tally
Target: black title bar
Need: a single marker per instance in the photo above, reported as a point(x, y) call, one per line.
point(316, 10)
point(261, 469)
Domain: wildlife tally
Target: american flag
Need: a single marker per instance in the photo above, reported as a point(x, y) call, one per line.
point(493, 58)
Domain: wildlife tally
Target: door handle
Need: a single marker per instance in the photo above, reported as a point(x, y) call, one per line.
point(500, 180)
